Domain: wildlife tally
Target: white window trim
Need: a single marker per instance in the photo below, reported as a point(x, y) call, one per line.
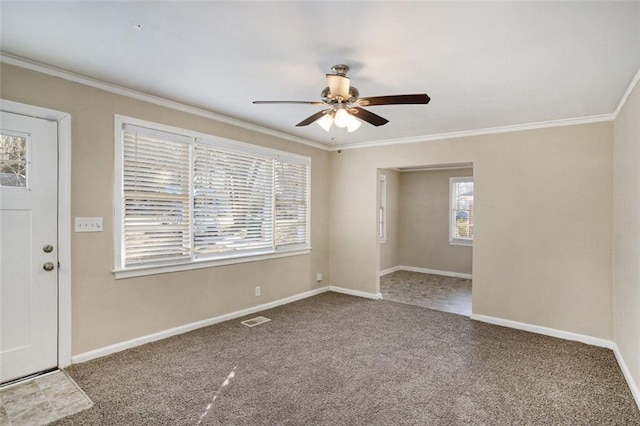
point(139, 271)
point(452, 239)
point(382, 204)
point(118, 219)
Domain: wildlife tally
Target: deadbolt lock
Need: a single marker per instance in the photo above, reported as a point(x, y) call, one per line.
point(47, 248)
point(48, 266)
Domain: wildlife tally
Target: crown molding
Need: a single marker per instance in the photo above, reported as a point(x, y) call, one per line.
point(626, 95)
point(505, 129)
point(10, 59)
point(480, 132)
point(145, 97)
point(439, 167)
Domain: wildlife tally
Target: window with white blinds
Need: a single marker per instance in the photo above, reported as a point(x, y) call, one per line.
point(233, 201)
point(382, 209)
point(291, 195)
point(156, 209)
point(187, 198)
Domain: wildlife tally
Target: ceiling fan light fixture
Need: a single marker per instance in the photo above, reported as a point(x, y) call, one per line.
point(354, 124)
point(325, 122)
point(342, 118)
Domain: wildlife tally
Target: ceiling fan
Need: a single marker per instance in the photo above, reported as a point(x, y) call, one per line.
point(345, 106)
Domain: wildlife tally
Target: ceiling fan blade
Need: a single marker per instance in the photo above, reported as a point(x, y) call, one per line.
point(368, 116)
point(312, 118)
point(338, 85)
point(419, 98)
point(291, 102)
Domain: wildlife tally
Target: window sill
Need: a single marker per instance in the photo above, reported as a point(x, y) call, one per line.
point(461, 242)
point(140, 271)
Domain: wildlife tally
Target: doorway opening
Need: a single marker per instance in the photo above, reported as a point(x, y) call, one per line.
point(425, 233)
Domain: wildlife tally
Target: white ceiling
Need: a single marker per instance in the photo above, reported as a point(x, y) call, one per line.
point(485, 65)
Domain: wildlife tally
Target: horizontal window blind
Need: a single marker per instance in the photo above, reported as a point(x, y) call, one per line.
point(291, 196)
point(189, 198)
point(233, 208)
point(155, 200)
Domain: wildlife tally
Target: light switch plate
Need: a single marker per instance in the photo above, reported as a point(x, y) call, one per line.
point(88, 224)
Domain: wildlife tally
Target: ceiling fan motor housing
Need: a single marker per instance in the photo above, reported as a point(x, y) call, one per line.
point(354, 94)
point(340, 69)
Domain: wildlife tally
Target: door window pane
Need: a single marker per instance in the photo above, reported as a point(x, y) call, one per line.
point(13, 161)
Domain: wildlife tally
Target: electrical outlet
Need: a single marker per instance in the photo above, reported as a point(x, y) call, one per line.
point(258, 291)
point(88, 224)
point(319, 277)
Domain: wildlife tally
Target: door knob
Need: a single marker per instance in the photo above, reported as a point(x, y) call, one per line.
point(47, 248)
point(48, 266)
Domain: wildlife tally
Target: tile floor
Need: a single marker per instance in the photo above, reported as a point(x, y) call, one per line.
point(437, 292)
point(41, 400)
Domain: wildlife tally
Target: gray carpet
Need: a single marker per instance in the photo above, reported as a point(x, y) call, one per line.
point(341, 360)
point(447, 294)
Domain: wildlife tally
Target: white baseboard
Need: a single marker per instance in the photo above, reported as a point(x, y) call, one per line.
point(566, 335)
point(355, 292)
point(390, 270)
point(107, 350)
point(589, 340)
point(633, 386)
point(426, 271)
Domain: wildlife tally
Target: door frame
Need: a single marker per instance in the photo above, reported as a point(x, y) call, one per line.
point(64, 217)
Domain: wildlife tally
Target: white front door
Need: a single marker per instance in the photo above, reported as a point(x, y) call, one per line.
point(28, 246)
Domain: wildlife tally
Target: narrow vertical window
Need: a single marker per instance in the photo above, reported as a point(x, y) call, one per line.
point(382, 210)
point(461, 214)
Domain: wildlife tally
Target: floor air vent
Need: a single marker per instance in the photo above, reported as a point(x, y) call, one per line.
point(255, 321)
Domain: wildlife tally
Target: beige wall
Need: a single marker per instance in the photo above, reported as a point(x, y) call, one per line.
point(626, 172)
point(106, 311)
point(550, 266)
point(542, 249)
point(389, 248)
point(424, 222)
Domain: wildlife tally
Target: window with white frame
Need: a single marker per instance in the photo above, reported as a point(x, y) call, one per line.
point(184, 198)
point(382, 209)
point(461, 211)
